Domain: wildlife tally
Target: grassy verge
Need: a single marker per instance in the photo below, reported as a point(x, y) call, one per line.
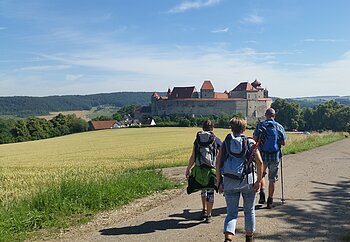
point(75, 200)
point(346, 237)
point(311, 142)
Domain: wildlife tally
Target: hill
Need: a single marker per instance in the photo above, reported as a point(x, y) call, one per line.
point(24, 106)
point(314, 101)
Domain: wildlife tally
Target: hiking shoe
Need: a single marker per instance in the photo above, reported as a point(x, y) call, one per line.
point(262, 198)
point(204, 213)
point(249, 238)
point(269, 202)
point(208, 219)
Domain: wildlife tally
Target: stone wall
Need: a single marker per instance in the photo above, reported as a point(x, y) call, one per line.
point(252, 109)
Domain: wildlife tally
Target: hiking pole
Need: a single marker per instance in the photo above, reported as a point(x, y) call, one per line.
point(282, 186)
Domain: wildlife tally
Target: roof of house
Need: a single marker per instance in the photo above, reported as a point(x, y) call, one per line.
point(244, 86)
point(103, 124)
point(220, 95)
point(207, 85)
point(182, 92)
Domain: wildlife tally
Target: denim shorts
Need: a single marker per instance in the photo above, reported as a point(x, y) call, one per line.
point(273, 167)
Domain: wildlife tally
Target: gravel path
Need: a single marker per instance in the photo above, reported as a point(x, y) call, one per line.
point(317, 208)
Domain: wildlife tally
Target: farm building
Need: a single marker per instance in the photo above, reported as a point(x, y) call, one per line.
point(98, 125)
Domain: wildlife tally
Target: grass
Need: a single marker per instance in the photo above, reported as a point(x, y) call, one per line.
point(62, 181)
point(346, 237)
point(310, 142)
point(71, 200)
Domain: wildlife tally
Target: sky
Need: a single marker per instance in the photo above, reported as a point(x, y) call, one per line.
point(295, 48)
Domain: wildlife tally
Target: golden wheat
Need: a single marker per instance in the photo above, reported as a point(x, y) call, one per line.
point(27, 167)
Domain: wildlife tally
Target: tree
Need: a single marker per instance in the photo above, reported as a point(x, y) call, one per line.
point(287, 113)
point(21, 132)
point(6, 126)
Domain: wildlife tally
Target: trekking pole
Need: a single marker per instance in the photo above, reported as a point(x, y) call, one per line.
point(282, 185)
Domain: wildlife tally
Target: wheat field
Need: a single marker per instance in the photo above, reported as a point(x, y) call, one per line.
point(28, 167)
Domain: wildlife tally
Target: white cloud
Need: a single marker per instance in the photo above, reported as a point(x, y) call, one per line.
point(251, 42)
point(44, 68)
point(225, 30)
point(323, 40)
point(73, 77)
point(188, 5)
point(118, 67)
point(253, 19)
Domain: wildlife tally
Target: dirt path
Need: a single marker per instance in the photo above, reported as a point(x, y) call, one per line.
point(317, 208)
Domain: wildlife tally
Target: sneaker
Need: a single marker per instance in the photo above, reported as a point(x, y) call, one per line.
point(204, 213)
point(208, 219)
point(249, 238)
point(262, 198)
point(269, 202)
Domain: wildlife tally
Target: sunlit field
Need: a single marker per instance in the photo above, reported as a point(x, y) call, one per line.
point(28, 167)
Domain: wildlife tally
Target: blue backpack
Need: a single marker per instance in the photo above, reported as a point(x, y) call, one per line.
point(235, 163)
point(269, 137)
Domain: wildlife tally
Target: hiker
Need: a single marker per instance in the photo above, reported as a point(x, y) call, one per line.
point(202, 161)
point(237, 174)
point(272, 136)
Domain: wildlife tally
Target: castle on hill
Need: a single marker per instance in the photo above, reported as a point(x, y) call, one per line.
point(249, 99)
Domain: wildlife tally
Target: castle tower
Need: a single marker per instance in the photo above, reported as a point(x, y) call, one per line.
point(207, 90)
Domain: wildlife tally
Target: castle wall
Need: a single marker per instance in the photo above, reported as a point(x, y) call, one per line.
point(207, 93)
point(256, 108)
point(199, 107)
point(252, 109)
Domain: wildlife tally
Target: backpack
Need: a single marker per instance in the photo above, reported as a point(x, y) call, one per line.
point(236, 162)
point(269, 137)
point(205, 149)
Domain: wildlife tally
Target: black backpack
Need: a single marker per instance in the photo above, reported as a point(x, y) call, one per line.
point(205, 149)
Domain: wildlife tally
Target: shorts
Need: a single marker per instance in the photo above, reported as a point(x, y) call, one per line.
point(273, 167)
point(208, 193)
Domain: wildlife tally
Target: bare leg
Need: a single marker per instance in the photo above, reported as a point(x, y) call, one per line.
point(271, 188)
point(204, 203)
point(209, 208)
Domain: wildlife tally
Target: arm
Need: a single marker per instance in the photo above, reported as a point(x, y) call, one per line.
point(256, 133)
point(259, 170)
point(190, 163)
point(218, 170)
point(283, 136)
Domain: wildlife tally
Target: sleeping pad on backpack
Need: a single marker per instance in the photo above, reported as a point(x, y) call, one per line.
point(201, 177)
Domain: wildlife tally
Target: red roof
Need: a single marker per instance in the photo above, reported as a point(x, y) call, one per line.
point(207, 85)
point(103, 124)
point(244, 86)
point(219, 95)
point(182, 92)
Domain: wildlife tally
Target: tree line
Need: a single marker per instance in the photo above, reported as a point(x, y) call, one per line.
point(22, 106)
point(33, 128)
point(326, 116)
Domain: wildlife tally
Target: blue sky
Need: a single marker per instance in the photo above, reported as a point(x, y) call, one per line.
point(294, 47)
